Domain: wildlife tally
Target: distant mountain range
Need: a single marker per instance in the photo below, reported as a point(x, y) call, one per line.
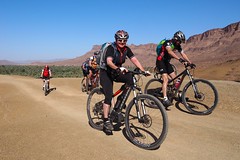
point(212, 47)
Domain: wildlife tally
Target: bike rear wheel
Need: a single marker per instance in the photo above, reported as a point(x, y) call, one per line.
point(95, 108)
point(202, 103)
point(150, 130)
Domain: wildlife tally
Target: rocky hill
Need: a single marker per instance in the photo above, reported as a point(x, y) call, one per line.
point(212, 47)
point(5, 62)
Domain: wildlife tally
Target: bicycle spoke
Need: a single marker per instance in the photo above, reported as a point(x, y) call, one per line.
point(150, 130)
point(95, 108)
point(204, 100)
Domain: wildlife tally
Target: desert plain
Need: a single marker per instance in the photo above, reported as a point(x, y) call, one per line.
point(55, 127)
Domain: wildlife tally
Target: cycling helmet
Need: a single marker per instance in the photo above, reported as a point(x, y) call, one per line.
point(121, 34)
point(179, 36)
point(96, 53)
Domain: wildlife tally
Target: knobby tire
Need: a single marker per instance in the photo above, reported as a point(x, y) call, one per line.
point(149, 132)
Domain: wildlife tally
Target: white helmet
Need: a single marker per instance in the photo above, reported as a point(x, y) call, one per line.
point(179, 36)
point(121, 34)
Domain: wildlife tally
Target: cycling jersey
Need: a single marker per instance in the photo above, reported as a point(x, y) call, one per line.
point(166, 55)
point(94, 71)
point(119, 57)
point(46, 73)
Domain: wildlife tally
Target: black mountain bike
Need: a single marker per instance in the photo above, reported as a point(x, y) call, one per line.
point(145, 118)
point(199, 96)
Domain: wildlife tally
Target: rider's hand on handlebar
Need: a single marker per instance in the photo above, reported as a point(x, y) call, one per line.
point(192, 65)
point(119, 70)
point(183, 62)
point(147, 73)
point(123, 70)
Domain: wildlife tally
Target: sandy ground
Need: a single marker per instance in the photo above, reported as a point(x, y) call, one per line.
point(55, 127)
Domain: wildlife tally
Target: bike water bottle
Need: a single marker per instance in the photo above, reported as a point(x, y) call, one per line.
point(177, 84)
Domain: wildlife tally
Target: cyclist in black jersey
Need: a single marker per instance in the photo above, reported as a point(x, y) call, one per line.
point(116, 55)
point(167, 52)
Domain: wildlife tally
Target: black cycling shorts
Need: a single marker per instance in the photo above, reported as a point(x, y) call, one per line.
point(106, 81)
point(85, 72)
point(164, 67)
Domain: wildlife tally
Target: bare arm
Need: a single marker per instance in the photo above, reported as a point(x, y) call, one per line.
point(135, 61)
point(110, 63)
point(185, 57)
point(170, 51)
point(50, 73)
point(41, 74)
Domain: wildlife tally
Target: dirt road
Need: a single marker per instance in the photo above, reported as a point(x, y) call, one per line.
point(55, 127)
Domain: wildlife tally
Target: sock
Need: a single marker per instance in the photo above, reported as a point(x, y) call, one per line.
point(165, 98)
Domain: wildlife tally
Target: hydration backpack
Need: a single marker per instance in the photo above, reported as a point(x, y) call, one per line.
point(45, 72)
point(159, 46)
point(100, 57)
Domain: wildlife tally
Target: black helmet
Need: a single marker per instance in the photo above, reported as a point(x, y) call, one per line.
point(121, 34)
point(96, 53)
point(179, 36)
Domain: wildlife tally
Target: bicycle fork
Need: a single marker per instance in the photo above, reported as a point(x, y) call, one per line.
point(197, 94)
point(139, 108)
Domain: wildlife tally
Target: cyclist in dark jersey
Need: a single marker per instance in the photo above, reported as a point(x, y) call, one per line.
point(93, 70)
point(116, 55)
point(167, 52)
point(89, 67)
point(85, 71)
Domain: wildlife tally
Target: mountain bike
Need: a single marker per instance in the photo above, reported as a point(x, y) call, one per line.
point(145, 118)
point(46, 86)
point(199, 96)
point(94, 79)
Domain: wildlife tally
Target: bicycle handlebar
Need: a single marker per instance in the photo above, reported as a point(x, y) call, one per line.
point(137, 71)
point(46, 78)
point(191, 65)
point(186, 64)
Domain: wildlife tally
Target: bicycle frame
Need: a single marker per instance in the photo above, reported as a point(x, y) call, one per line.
point(127, 90)
point(182, 75)
point(46, 86)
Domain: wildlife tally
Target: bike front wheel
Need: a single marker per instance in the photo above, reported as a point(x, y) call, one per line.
point(95, 108)
point(146, 122)
point(46, 88)
point(201, 98)
point(82, 85)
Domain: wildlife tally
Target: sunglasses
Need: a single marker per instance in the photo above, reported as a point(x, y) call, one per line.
point(122, 40)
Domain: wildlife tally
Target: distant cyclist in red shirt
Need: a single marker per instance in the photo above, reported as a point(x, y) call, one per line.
point(46, 74)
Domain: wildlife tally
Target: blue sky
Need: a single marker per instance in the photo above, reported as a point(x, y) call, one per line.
point(58, 29)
